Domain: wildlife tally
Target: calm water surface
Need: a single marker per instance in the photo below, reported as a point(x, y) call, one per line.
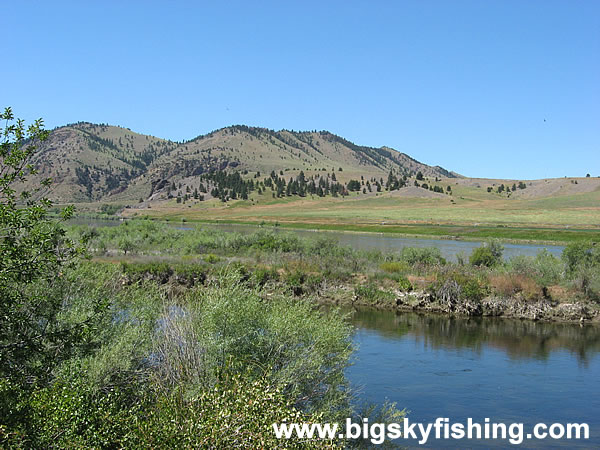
point(507, 370)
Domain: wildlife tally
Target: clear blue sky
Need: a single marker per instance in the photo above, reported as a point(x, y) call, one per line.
point(493, 88)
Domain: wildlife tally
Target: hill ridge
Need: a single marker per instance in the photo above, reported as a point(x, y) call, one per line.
point(102, 162)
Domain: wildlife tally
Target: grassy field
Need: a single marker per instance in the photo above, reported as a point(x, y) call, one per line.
point(470, 213)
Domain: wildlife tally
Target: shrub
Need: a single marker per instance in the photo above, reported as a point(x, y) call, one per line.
point(454, 286)
point(34, 250)
point(545, 268)
point(211, 258)
point(587, 280)
point(67, 415)
point(295, 281)
point(394, 267)
point(306, 349)
point(404, 284)
point(488, 255)
point(578, 254)
point(426, 256)
point(472, 290)
point(262, 275)
point(548, 267)
point(372, 293)
point(270, 241)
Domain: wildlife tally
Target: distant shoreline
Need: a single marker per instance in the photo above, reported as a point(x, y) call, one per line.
point(469, 233)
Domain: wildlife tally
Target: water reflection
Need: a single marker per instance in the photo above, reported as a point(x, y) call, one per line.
point(518, 339)
point(505, 370)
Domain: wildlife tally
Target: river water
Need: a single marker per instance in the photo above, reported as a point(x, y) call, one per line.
point(504, 370)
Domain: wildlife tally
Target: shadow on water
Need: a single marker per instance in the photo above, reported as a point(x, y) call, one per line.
point(517, 338)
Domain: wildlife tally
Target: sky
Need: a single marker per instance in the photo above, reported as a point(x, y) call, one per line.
point(494, 88)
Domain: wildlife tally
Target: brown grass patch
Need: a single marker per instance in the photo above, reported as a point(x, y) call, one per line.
point(512, 285)
point(560, 293)
point(419, 281)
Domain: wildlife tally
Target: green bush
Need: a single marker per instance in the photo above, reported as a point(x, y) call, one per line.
point(394, 266)
point(579, 254)
point(261, 275)
point(454, 286)
point(211, 258)
point(404, 284)
point(545, 268)
point(587, 279)
point(295, 280)
point(372, 293)
point(234, 413)
point(488, 255)
point(426, 256)
point(472, 289)
point(273, 242)
point(549, 270)
point(307, 350)
point(483, 256)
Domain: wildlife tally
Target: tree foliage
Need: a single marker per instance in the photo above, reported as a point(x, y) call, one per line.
point(33, 250)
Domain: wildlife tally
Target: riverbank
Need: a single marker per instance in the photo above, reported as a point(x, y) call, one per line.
point(358, 292)
point(540, 286)
point(422, 301)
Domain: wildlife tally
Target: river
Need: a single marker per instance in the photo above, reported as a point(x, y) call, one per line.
point(505, 370)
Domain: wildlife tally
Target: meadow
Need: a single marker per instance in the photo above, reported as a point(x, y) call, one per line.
point(469, 213)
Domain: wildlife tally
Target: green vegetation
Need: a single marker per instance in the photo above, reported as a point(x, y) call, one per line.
point(33, 253)
point(196, 337)
point(283, 262)
point(154, 354)
point(488, 255)
point(162, 366)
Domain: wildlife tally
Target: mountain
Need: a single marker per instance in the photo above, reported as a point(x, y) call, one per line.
point(92, 163)
point(89, 162)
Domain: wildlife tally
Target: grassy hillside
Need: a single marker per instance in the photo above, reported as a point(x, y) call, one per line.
point(89, 162)
point(103, 163)
point(259, 149)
